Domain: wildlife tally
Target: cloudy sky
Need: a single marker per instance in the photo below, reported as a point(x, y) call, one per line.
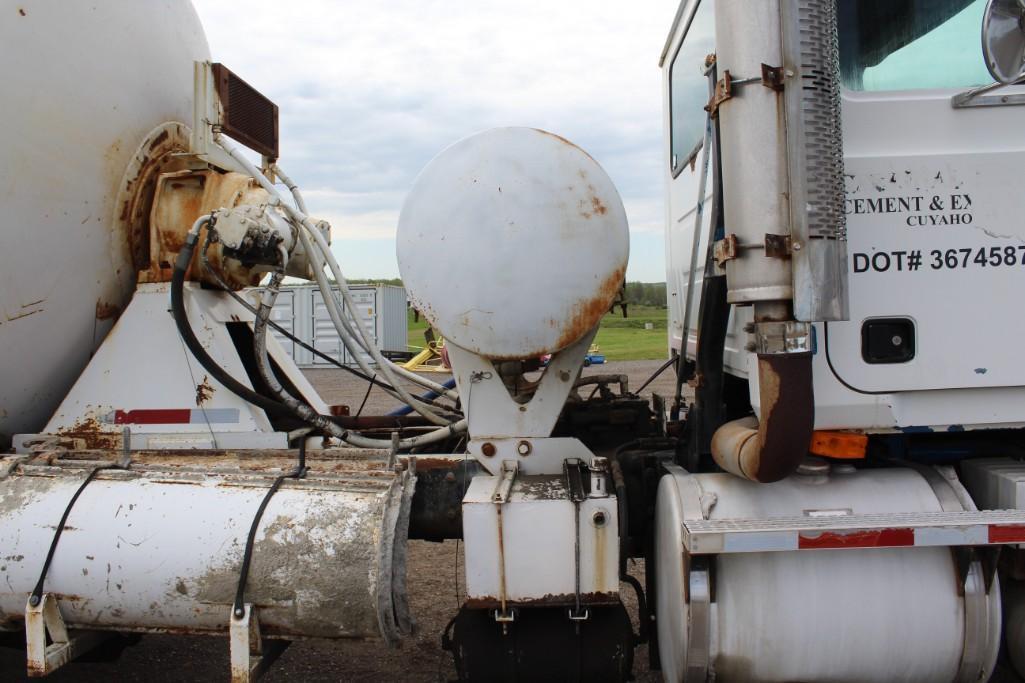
point(370, 91)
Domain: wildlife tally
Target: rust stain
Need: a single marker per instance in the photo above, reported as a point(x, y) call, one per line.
point(557, 137)
point(548, 600)
point(585, 314)
point(204, 391)
point(105, 311)
point(158, 140)
point(90, 431)
point(21, 11)
point(598, 207)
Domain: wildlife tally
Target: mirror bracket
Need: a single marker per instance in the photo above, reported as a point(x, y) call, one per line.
point(974, 97)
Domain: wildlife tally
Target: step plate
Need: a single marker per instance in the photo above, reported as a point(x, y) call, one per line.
point(891, 530)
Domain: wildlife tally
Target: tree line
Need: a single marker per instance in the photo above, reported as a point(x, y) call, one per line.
point(637, 293)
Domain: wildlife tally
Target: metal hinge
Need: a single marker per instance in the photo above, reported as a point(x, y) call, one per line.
point(725, 250)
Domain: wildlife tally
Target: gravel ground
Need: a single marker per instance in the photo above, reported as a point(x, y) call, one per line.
point(435, 588)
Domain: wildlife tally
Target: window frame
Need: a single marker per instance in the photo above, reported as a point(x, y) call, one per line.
point(684, 163)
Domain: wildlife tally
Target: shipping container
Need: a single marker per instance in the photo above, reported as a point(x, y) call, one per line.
point(300, 309)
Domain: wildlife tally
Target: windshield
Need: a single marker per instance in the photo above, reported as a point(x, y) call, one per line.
point(911, 44)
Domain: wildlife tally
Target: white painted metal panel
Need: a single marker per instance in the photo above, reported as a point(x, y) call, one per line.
point(538, 533)
point(324, 336)
point(70, 128)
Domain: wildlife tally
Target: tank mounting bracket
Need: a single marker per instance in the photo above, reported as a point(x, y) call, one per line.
point(251, 655)
point(44, 619)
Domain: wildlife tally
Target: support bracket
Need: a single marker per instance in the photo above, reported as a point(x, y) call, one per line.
point(44, 619)
point(251, 655)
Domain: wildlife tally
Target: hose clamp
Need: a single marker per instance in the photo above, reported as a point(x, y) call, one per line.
point(782, 338)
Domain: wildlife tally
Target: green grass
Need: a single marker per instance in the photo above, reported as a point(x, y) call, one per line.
point(618, 338)
point(622, 338)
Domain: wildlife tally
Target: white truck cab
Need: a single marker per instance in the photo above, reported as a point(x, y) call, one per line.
point(935, 238)
point(845, 249)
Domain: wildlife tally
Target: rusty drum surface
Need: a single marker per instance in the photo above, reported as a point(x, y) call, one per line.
point(159, 547)
point(513, 243)
point(85, 86)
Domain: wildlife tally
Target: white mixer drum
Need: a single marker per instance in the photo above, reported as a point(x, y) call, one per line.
point(83, 86)
point(513, 243)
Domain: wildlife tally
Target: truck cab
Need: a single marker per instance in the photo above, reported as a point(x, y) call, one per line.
point(935, 244)
point(844, 249)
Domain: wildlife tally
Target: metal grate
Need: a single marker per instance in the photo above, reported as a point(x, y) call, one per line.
point(820, 110)
point(247, 116)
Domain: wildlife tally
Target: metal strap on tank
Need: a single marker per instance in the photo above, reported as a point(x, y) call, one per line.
point(953, 497)
point(699, 631)
point(578, 482)
point(976, 624)
point(37, 593)
point(697, 582)
point(239, 607)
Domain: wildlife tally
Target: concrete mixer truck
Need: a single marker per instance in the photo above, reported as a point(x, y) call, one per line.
point(838, 497)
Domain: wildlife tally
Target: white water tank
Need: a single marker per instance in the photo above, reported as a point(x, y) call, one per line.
point(84, 84)
point(513, 243)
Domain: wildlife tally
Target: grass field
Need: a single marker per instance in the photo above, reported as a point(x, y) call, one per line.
point(618, 338)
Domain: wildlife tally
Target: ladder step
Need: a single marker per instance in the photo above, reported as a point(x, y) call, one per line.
point(888, 530)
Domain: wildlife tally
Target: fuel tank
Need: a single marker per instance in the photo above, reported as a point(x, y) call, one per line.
point(89, 89)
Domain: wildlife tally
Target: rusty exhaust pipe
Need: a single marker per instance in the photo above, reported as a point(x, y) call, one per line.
point(771, 448)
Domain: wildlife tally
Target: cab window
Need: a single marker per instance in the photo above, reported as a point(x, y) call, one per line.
point(911, 44)
point(688, 86)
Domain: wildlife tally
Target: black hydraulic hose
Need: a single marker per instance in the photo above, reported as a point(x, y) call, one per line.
point(316, 352)
point(654, 375)
point(192, 343)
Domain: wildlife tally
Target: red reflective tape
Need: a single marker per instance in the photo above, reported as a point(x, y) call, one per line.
point(874, 538)
point(1007, 533)
point(153, 416)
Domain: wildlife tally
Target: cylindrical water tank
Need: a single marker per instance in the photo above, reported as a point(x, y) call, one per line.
point(84, 84)
point(513, 243)
point(160, 547)
point(816, 615)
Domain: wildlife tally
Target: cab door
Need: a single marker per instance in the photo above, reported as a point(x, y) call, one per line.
point(935, 204)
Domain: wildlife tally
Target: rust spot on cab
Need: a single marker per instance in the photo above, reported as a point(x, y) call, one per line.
point(105, 311)
point(585, 314)
point(598, 207)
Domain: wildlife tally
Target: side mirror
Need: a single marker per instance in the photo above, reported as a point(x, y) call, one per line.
point(1003, 40)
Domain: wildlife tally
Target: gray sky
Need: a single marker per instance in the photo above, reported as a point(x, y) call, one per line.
point(370, 91)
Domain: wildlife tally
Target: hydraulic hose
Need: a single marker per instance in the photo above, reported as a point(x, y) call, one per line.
point(306, 229)
point(181, 320)
point(181, 266)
